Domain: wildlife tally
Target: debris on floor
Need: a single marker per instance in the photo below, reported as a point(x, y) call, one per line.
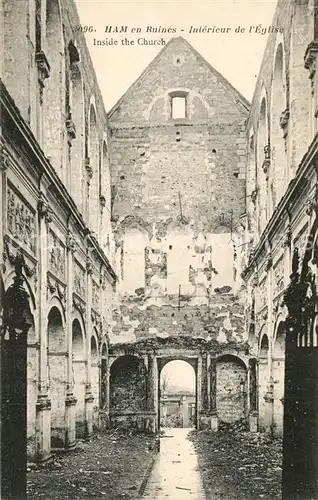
point(111, 466)
point(239, 465)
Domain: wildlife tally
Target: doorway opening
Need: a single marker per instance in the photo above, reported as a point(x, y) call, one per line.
point(177, 394)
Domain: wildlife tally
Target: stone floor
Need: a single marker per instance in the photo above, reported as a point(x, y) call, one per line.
point(176, 473)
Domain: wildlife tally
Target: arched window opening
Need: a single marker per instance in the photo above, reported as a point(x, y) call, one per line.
point(278, 178)
point(94, 190)
point(55, 89)
point(177, 395)
point(264, 348)
point(75, 128)
point(262, 166)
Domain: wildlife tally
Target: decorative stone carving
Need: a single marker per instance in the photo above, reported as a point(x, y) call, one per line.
point(70, 242)
point(21, 221)
point(269, 263)
point(267, 160)
point(89, 267)
point(54, 286)
point(288, 237)
point(95, 296)
point(254, 196)
point(278, 276)
point(70, 127)
point(262, 294)
point(79, 281)
point(4, 159)
point(12, 258)
point(89, 170)
point(43, 70)
point(102, 201)
point(283, 121)
point(44, 210)
point(311, 206)
point(95, 318)
point(56, 256)
point(310, 62)
point(78, 304)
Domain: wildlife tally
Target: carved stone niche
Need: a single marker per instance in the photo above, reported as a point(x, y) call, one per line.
point(267, 160)
point(283, 121)
point(310, 62)
point(70, 127)
point(310, 57)
point(88, 169)
point(43, 67)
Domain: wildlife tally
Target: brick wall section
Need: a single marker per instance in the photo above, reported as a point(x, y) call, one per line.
point(154, 159)
point(230, 399)
point(127, 385)
point(222, 321)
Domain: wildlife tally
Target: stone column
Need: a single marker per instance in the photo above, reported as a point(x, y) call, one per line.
point(269, 399)
point(43, 404)
point(212, 402)
point(199, 392)
point(152, 383)
point(70, 401)
point(89, 398)
point(205, 414)
point(252, 386)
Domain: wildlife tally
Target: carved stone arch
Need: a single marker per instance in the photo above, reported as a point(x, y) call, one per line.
point(165, 98)
point(280, 330)
point(55, 301)
point(94, 335)
point(279, 320)
point(264, 346)
point(236, 357)
point(77, 314)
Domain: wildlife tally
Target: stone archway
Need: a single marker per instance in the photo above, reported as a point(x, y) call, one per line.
point(57, 376)
point(177, 394)
point(278, 373)
point(79, 377)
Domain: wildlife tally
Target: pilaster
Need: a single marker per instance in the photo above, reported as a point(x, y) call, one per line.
point(43, 404)
point(70, 400)
point(89, 398)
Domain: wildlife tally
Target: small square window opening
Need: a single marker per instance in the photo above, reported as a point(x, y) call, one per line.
point(178, 107)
